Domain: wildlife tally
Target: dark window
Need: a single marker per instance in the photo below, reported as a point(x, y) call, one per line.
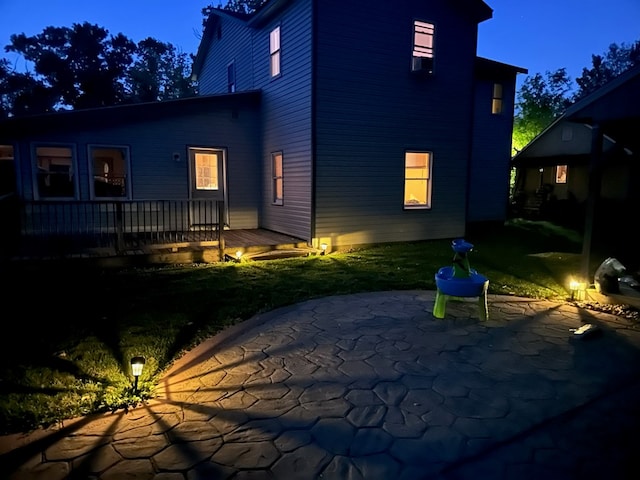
point(55, 172)
point(231, 77)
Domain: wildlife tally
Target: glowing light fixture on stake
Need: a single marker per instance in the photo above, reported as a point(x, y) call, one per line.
point(578, 289)
point(137, 364)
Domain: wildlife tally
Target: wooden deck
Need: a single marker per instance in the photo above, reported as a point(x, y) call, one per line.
point(260, 238)
point(193, 247)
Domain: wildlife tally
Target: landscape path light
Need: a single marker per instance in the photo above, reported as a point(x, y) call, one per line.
point(137, 364)
point(578, 289)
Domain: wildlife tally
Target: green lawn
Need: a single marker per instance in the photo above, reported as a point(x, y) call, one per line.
point(73, 329)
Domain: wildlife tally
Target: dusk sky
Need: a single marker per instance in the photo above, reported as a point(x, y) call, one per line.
point(541, 35)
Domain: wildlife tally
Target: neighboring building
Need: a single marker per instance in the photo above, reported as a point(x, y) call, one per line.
point(590, 153)
point(332, 121)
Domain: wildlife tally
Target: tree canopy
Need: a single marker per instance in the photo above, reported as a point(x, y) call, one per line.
point(543, 98)
point(606, 67)
point(83, 66)
point(540, 100)
point(238, 6)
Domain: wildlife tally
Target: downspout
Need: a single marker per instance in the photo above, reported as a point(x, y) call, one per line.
point(314, 153)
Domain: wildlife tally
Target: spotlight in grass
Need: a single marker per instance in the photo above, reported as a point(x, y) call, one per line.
point(238, 255)
point(323, 246)
point(578, 289)
point(137, 364)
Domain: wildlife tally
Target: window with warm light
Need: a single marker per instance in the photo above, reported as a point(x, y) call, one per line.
point(417, 180)
point(422, 57)
point(206, 172)
point(110, 167)
point(496, 101)
point(55, 172)
point(277, 178)
point(274, 51)
point(561, 173)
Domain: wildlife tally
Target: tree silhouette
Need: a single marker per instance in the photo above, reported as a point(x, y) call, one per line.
point(604, 68)
point(159, 73)
point(83, 66)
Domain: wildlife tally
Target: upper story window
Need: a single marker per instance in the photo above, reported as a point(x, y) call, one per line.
point(274, 51)
point(417, 180)
point(422, 57)
point(231, 77)
point(277, 178)
point(110, 167)
point(55, 171)
point(496, 101)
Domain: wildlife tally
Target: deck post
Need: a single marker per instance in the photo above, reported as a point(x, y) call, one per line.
point(118, 225)
point(220, 231)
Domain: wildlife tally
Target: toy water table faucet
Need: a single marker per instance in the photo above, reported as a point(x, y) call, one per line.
point(460, 280)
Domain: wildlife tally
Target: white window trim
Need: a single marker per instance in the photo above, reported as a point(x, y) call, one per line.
point(34, 166)
point(275, 179)
point(127, 160)
point(218, 194)
point(231, 85)
point(429, 181)
point(275, 51)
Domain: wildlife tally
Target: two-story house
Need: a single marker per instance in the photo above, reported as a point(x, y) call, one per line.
point(335, 122)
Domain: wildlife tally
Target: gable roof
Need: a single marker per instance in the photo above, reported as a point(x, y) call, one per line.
point(210, 27)
point(615, 107)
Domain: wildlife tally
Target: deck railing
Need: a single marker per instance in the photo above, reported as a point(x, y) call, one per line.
point(63, 227)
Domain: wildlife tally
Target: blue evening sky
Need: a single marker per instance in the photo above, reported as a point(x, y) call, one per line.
point(540, 35)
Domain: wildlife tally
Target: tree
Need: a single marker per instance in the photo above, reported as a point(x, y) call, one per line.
point(21, 93)
point(83, 67)
point(238, 6)
point(617, 60)
point(540, 100)
point(159, 73)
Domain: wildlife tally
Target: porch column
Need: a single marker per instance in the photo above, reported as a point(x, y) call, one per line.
point(595, 179)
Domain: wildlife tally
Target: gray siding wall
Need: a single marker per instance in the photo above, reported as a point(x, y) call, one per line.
point(371, 109)
point(287, 119)
point(155, 175)
point(234, 45)
point(286, 107)
point(489, 170)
